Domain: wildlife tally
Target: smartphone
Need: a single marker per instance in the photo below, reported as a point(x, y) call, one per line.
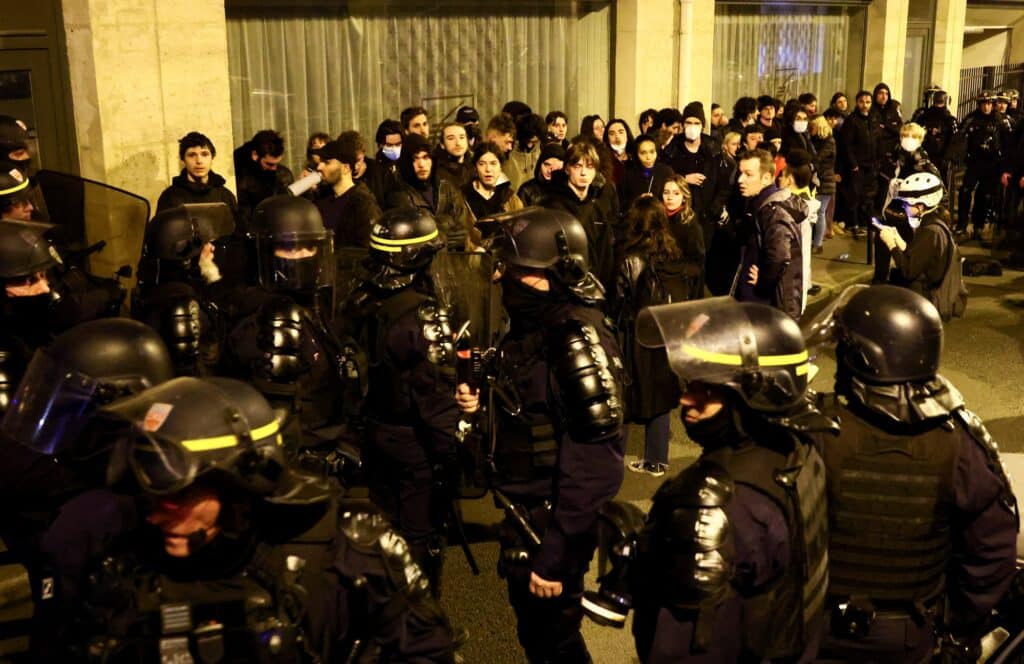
point(877, 223)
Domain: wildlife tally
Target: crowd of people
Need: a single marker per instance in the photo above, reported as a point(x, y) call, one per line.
point(492, 305)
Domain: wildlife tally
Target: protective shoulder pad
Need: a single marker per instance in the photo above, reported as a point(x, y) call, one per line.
point(976, 428)
point(435, 322)
point(282, 324)
point(180, 326)
point(689, 534)
point(591, 393)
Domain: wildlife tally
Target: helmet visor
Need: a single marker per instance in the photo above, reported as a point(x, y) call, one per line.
point(52, 405)
point(160, 466)
point(822, 329)
point(297, 261)
point(212, 220)
point(702, 338)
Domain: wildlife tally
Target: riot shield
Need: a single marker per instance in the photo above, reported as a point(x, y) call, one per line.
point(464, 284)
point(87, 213)
point(347, 261)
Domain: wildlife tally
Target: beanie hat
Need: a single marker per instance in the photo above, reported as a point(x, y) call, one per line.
point(695, 109)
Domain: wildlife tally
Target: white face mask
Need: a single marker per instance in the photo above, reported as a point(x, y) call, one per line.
point(619, 149)
point(392, 152)
point(800, 126)
point(910, 144)
point(691, 132)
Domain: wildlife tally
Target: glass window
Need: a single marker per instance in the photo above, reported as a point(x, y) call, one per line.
point(331, 72)
point(784, 51)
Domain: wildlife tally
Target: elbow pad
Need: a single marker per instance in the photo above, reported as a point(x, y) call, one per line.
point(591, 392)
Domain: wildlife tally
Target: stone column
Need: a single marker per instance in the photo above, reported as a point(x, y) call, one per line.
point(696, 50)
point(645, 60)
point(947, 53)
point(143, 74)
point(886, 44)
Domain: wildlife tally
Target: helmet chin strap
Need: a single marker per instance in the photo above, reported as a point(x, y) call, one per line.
point(197, 540)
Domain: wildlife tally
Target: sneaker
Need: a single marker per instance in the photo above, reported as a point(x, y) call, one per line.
point(642, 466)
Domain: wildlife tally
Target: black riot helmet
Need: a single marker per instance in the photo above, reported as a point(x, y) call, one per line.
point(24, 249)
point(550, 240)
point(294, 250)
point(217, 429)
point(14, 137)
point(887, 335)
point(15, 186)
point(179, 233)
point(754, 350)
point(88, 366)
point(403, 242)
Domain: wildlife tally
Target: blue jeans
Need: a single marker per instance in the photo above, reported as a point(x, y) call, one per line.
point(822, 223)
point(657, 433)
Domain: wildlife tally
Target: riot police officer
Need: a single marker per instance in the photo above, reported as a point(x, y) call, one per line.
point(58, 514)
point(559, 454)
point(921, 514)
point(940, 126)
point(410, 410)
point(732, 563)
point(26, 301)
point(281, 339)
point(986, 135)
point(177, 281)
point(221, 567)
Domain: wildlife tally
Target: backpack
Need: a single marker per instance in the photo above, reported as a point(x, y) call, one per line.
point(949, 295)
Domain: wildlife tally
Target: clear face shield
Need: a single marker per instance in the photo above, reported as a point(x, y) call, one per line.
point(298, 261)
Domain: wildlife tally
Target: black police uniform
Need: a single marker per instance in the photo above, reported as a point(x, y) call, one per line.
point(58, 519)
point(410, 411)
point(173, 295)
point(940, 126)
point(560, 457)
point(288, 577)
point(922, 517)
point(25, 322)
point(281, 338)
point(732, 563)
point(987, 138)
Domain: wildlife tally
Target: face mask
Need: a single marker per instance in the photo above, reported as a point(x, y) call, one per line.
point(910, 144)
point(619, 149)
point(392, 152)
point(714, 432)
point(692, 132)
point(800, 126)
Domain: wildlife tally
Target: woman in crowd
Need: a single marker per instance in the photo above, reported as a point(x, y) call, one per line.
point(619, 139)
point(558, 127)
point(794, 132)
point(652, 271)
point(685, 228)
point(645, 174)
point(825, 167)
point(647, 120)
point(593, 127)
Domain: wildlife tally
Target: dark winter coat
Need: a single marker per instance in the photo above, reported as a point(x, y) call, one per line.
point(642, 281)
point(378, 179)
point(638, 181)
point(885, 124)
point(825, 164)
point(503, 200)
point(533, 191)
point(256, 185)
point(922, 265)
point(773, 244)
point(856, 145)
point(794, 141)
point(447, 167)
point(184, 191)
point(939, 128)
point(446, 203)
point(350, 216)
point(598, 212)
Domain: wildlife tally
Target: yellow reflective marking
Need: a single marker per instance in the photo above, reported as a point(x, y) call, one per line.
point(381, 247)
point(402, 243)
point(17, 187)
point(803, 369)
point(222, 442)
point(734, 360)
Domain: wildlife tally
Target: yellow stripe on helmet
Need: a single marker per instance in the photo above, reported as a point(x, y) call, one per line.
point(223, 442)
point(735, 360)
point(16, 188)
point(406, 242)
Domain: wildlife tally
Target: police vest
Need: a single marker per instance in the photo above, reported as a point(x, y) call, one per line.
point(890, 536)
point(780, 622)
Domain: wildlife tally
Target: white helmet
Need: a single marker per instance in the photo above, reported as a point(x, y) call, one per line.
point(921, 189)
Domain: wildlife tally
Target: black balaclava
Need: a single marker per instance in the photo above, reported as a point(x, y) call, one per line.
point(529, 308)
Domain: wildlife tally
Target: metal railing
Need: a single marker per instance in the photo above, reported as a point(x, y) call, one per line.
point(975, 79)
